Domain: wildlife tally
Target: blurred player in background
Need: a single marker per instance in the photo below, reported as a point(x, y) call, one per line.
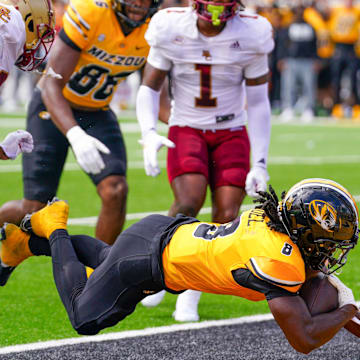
point(297, 60)
point(267, 253)
point(217, 60)
point(26, 34)
point(344, 27)
point(101, 43)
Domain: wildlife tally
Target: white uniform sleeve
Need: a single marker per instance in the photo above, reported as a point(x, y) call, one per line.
point(156, 36)
point(258, 67)
point(259, 123)
point(158, 60)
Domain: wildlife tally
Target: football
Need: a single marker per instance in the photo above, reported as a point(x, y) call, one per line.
point(321, 297)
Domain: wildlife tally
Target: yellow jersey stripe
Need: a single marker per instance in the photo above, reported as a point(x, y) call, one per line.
point(75, 25)
point(81, 19)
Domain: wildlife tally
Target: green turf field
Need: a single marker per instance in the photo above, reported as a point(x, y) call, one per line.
point(30, 309)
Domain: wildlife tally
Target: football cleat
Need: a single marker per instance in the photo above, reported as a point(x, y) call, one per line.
point(45, 221)
point(14, 250)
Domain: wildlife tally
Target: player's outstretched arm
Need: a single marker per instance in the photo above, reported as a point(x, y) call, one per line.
point(147, 112)
point(86, 148)
point(303, 331)
point(259, 124)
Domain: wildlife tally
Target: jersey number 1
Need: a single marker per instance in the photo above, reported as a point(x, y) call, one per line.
point(205, 99)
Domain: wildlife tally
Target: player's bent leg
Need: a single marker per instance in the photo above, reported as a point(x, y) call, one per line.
point(13, 211)
point(226, 202)
point(95, 303)
point(153, 300)
point(189, 193)
point(113, 192)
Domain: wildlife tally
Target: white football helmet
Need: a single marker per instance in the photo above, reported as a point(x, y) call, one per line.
point(39, 19)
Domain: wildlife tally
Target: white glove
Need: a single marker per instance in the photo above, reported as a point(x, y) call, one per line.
point(86, 149)
point(344, 293)
point(256, 181)
point(152, 143)
point(17, 142)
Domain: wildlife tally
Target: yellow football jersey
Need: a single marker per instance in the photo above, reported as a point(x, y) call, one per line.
point(201, 256)
point(107, 56)
point(344, 25)
point(325, 47)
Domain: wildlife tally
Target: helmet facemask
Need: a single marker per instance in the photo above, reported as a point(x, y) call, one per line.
point(35, 54)
point(321, 217)
point(39, 20)
point(215, 12)
point(119, 7)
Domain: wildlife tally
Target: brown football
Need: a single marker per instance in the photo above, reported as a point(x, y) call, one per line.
point(321, 297)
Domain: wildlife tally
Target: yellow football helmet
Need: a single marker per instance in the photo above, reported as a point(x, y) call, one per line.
point(39, 19)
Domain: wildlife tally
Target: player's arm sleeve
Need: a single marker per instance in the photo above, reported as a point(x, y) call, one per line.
point(158, 60)
point(156, 36)
point(245, 278)
point(259, 123)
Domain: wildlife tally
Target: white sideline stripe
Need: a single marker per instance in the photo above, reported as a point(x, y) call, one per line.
point(274, 160)
point(91, 220)
point(134, 333)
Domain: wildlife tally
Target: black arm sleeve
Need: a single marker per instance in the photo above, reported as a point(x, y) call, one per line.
point(67, 40)
point(245, 278)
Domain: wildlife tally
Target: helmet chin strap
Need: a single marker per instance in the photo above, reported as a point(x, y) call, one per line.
point(215, 11)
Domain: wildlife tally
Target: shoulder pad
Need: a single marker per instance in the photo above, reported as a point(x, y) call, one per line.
point(282, 274)
point(259, 33)
point(161, 27)
point(82, 17)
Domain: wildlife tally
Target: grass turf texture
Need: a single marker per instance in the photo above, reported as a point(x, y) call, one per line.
point(31, 309)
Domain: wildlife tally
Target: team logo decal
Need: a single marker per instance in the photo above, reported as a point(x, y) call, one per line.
point(44, 115)
point(324, 214)
point(206, 54)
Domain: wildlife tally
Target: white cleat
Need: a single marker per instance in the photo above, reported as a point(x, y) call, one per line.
point(187, 306)
point(153, 300)
point(186, 316)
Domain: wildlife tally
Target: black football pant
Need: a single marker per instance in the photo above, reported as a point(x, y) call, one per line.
point(124, 273)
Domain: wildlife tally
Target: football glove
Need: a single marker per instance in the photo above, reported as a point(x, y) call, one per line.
point(17, 142)
point(87, 150)
point(152, 142)
point(345, 294)
point(256, 181)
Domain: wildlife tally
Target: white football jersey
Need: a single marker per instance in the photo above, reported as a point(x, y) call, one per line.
point(207, 73)
point(12, 38)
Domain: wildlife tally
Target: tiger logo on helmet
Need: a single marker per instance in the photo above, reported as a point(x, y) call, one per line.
point(39, 19)
point(322, 218)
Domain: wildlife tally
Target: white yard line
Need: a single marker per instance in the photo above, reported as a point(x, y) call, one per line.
point(6, 167)
point(134, 333)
